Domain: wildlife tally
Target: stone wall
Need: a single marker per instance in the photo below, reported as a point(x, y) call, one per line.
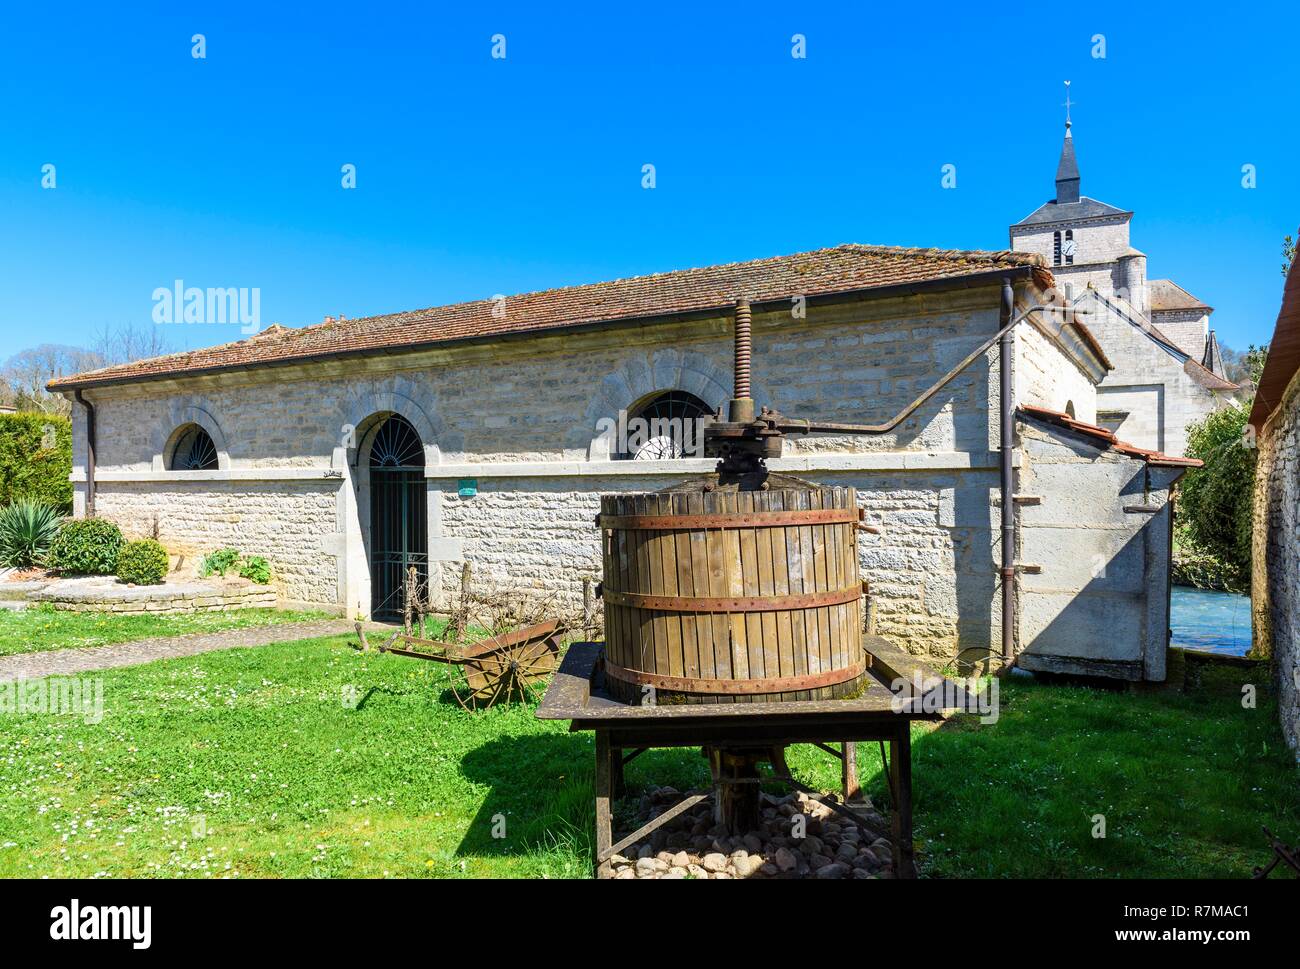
point(1042, 379)
point(931, 569)
point(540, 400)
point(1187, 328)
point(1151, 383)
point(288, 523)
point(175, 596)
point(1099, 240)
point(1094, 548)
point(1275, 582)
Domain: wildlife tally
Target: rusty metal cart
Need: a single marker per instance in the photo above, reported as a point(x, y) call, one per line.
point(508, 666)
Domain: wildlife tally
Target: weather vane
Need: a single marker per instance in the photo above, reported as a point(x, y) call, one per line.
point(1068, 102)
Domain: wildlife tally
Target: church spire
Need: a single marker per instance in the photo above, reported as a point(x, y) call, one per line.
point(1067, 169)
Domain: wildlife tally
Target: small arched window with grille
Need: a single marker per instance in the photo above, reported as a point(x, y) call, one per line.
point(665, 426)
point(1056, 248)
point(397, 445)
point(194, 450)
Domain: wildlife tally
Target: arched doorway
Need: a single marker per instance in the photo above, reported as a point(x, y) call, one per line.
point(398, 515)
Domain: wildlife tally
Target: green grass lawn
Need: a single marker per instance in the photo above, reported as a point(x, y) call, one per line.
point(43, 627)
point(310, 759)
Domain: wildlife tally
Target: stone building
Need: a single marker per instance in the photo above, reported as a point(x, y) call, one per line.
point(486, 431)
point(1168, 370)
point(1275, 558)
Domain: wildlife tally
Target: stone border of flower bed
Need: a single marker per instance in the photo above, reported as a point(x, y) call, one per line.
point(106, 594)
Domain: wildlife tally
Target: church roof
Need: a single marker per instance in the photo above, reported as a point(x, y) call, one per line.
point(1069, 205)
point(1067, 171)
point(1212, 359)
point(844, 269)
point(1200, 374)
point(1165, 294)
point(1085, 208)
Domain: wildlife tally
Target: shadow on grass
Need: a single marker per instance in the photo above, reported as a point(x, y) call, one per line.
point(542, 795)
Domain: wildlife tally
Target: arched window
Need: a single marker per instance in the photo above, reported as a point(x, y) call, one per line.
point(664, 426)
point(194, 450)
point(1056, 248)
point(397, 445)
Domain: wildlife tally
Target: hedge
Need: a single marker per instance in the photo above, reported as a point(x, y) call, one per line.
point(1215, 502)
point(30, 469)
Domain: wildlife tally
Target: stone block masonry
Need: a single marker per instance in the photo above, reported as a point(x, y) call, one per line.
point(288, 523)
point(1275, 559)
point(1097, 539)
point(931, 569)
point(106, 594)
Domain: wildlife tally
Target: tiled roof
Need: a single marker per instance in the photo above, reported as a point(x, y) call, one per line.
point(1283, 359)
point(1054, 211)
point(1100, 437)
point(841, 269)
point(1168, 295)
point(1207, 378)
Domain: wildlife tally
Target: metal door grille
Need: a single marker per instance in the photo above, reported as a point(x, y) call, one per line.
point(398, 517)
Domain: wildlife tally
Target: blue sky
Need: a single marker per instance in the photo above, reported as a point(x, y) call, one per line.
point(478, 176)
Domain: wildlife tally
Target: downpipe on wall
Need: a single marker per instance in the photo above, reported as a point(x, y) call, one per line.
point(1006, 399)
point(90, 451)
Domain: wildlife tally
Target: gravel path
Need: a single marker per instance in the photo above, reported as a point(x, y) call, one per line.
point(59, 662)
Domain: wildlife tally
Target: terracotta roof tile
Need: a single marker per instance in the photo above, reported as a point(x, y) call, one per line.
point(1165, 294)
point(1103, 437)
point(1283, 359)
point(840, 269)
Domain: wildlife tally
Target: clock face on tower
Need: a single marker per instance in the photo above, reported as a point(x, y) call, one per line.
point(1069, 248)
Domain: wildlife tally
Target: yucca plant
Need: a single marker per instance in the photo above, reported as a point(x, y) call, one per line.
point(27, 529)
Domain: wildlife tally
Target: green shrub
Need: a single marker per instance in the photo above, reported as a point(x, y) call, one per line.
point(256, 568)
point(27, 529)
point(220, 562)
point(36, 459)
point(1214, 502)
point(86, 546)
point(142, 563)
point(1194, 566)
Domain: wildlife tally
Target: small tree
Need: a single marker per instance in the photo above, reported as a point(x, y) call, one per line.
point(1215, 500)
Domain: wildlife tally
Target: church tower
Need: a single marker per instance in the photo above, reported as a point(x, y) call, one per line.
point(1067, 171)
point(1167, 370)
point(1086, 242)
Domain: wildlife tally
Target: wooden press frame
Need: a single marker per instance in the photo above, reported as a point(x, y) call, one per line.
point(574, 695)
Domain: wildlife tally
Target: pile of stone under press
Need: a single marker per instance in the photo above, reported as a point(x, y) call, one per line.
point(693, 845)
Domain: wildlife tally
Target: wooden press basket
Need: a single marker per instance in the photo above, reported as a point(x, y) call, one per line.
point(726, 597)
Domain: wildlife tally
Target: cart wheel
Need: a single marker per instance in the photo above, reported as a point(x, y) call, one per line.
point(510, 674)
